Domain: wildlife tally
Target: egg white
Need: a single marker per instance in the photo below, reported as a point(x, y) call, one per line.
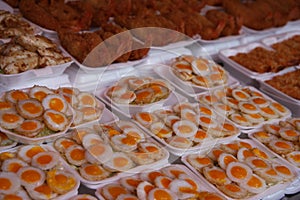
point(119, 162)
point(30, 108)
point(231, 173)
point(24, 176)
point(39, 160)
point(9, 178)
point(10, 119)
point(51, 100)
point(70, 152)
point(254, 189)
point(93, 172)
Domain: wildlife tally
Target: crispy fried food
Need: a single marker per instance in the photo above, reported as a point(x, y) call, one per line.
point(53, 15)
point(288, 83)
point(214, 2)
point(13, 3)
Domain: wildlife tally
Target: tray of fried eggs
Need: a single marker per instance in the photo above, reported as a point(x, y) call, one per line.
point(242, 169)
point(34, 115)
point(186, 127)
point(194, 75)
point(36, 172)
point(174, 182)
point(103, 152)
point(245, 106)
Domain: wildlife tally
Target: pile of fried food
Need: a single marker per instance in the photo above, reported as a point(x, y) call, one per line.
point(282, 55)
point(288, 83)
point(13, 25)
point(27, 52)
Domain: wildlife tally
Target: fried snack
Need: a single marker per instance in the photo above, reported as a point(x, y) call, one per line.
point(288, 83)
point(13, 3)
point(214, 2)
point(53, 15)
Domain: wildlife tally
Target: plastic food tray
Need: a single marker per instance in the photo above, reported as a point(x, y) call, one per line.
point(276, 191)
point(194, 177)
point(246, 129)
point(4, 147)
point(185, 87)
point(5, 6)
point(60, 165)
point(269, 41)
point(134, 170)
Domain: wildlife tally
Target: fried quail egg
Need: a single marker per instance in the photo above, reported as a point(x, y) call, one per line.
point(71, 99)
point(9, 183)
point(161, 130)
point(244, 153)
point(86, 99)
point(27, 152)
point(223, 109)
point(172, 171)
point(268, 112)
point(201, 81)
point(295, 122)
point(232, 102)
point(151, 176)
point(231, 148)
point(214, 153)
point(116, 90)
point(161, 194)
point(68, 90)
point(75, 155)
point(124, 143)
point(184, 128)
point(233, 190)
point(39, 92)
point(254, 184)
point(127, 197)
point(145, 118)
point(208, 99)
point(112, 191)
point(31, 176)
point(240, 95)
point(238, 172)
point(200, 66)
point(179, 142)
point(195, 186)
point(83, 197)
point(90, 139)
point(289, 134)
point(55, 102)
point(182, 189)
point(99, 153)
point(130, 183)
point(269, 175)
point(181, 106)
point(240, 119)
point(229, 128)
point(279, 109)
point(162, 182)
point(137, 83)
point(19, 195)
point(244, 144)
point(207, 122)
point(42, 192)
point(216, 175)
point(61, 144)
point(260, 101)
point(10, 119)
point(248, 107)
point(87, 114)
point(294, 158)
point(55, 120)
point(79, 133)
point(119, 162)
point(5, 106)
point(152, 150)
point(30, 128)
point(134, 133)
point(45, 160)
point(125, 98)
point(15, 95)
point(204, 110)
point(281, 146)
point(12, 165)
point(170, 120)
point(264, 137)
point(190, 115)
point(224, 160)
point(283, 171)
point(199, 161)
point(255, 118)
point(61, 181)
point(143, 189)
point(144, 96)
point(272, 128)
point(93, 172)
point(201, 136)
point(259, 153)
point(257, 163)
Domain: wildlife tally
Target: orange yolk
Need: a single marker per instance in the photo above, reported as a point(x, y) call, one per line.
point(205, 120)
point(283, 145)
point(241, 95)
point(143, 95)
point(232, 187)
point(217, 175)
point(120, 162)
point(268, 110)
point(245, 144)
point(56, 118)
point(67, 143)
point(259, 163)
point(259, 100)
point(241, 118)
point(215, 77)
point(200, 134)
point(233, 146)
point(88, 111)
point(165, 182)
point(12, 197)
point(201, 65)
point(77, 154)
point(129, 140)
point(247, 153)
point(32, 108)
point(93, 170)
point(224, 107)
point(212, 197)
point(256, 94)
point(275, 128)
point(203, 161)
point(262, 134)
point(271, 172)
point(33, 151)
point(10, 118)
point(211, 99)
point(14, 167)
point(259, 153)
point(116, 191)
point(217, 153)
point(278, 107)
point(148, 188)
point(234, 101)
point(88, 100)
point(239, 172)
point(146, 116)
point(68, 91)
point(181, 140)
point(229, 159)
point(205, 111)
point(5, 105)
point(56, 104)
point(96, 150)
point(157, 89)
point(296, 157)
point(162, 195)
point(5, 184)
point(29, 125)
point(133, 182)
point(228, 127)
point(6, 155)
point(151, 149)
point(183, 66)
point(40, 95)
point(291, 133)
point(161, 132)
point(44, 189)
point(185, 129)
point(19, 95)
point(112, 132)
point(255, 116)
point(31, 176)
point(152, 175)
point(254, 182)
point(45, 159)
point(283, 170)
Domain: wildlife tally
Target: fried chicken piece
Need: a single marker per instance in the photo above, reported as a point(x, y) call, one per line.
point(232, 24)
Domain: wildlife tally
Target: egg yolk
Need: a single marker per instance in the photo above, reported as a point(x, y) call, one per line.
point(278, 107)
point(217, 152)
point(201, 65)
point(291, 133)
point(200, 134)
point(259, 163)
point(153, 175)
point(5, 184)
point(184, 66)
point(93, 170)
point(33, 151)
point(283, 170)
point(176, 173)
point(228, 127)
point(239, 172)
point(262, 134)
point(68, 90)
point(233, 146)
point(133, 182)
point(212, 197)
point(256, 94)
point(255, 116)
point(241, 118)
point(229, 159)
point(6, 155)
point(217, 175)
point(44, 189)
point(160, 132)
point(96, 149)
point(116, 191)
point(87, 111)
point(233, 187)
point(203, 161)
point(60, 181)
point(205, 111)
point(77, 154)
point(259, 153)
point(111, 132)
point(259, 100)
point(190, 116)
point(40, 95)
point(29, 125)
point(205, 120)
point(45, 159)
point(120, 162)
point(247, 153)
point(215, 77)
point(162, 195)
point(12, 197)
point(275, 128)
point(157, 89)
point(32, 107)
point(192, 183)
point(283, 145)
point(127, 95)
point(19, 95)
point(233, 101)
point(211, 99)
point(165, 182)
point(254, 182)
point(151, 149)
point(271, 172)
point(224, 107)
point(56, 118)
point(241, 95)
point(31, 176)
point(296, 157)
point(14, 167)
point(5, 105)
point(185, 129)
point(146, 117)
point(245, 144)
point(10, 118)
point(268, 110)
point(143, 95)
point(148, 188)
point(56, 104)
point(88, 100)
point(67, 143)
point(129, 140)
